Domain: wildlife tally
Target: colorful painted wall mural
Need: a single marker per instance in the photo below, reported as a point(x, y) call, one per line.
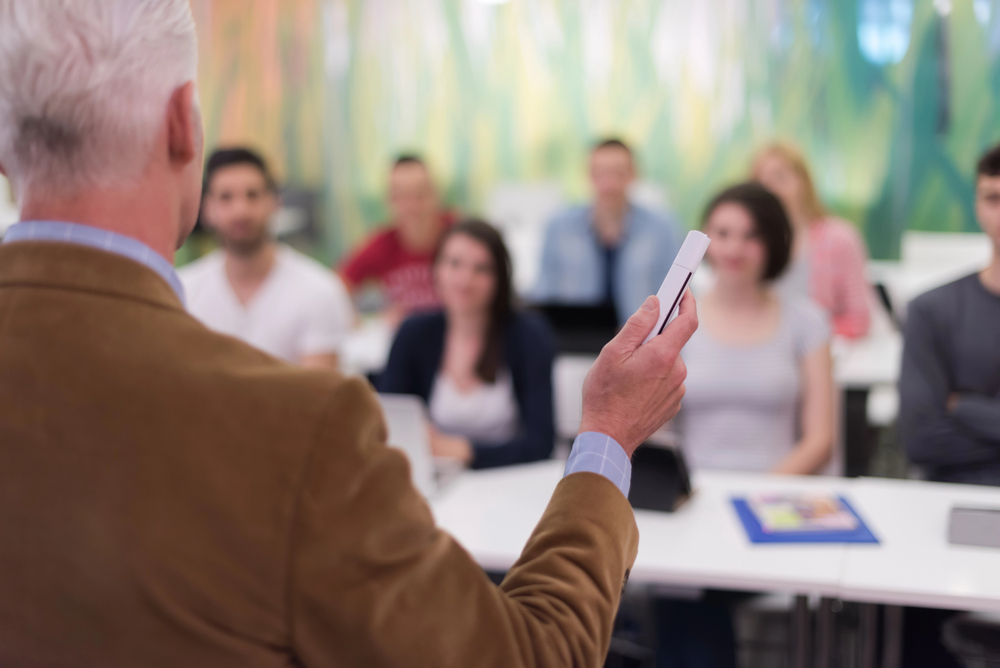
point(892, 100)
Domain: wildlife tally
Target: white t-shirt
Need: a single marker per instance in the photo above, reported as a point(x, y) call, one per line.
point(300, 309)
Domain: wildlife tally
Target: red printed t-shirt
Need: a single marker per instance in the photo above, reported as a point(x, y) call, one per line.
point(405, 276)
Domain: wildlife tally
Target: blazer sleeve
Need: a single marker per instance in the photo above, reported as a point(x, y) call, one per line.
point(535, 353)
point(402, 373)
point(373, 582)
point(930, 435)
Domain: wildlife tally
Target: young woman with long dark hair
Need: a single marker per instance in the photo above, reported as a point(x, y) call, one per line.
point(483, 367)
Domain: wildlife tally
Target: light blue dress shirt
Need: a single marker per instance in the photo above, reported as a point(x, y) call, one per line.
point(597, 453)
point(573, 269)
point(592, 452)
point(85, 235)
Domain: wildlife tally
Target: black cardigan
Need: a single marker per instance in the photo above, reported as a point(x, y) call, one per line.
point(528, 351)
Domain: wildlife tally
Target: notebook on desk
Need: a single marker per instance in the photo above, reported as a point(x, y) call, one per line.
point(660, 479)
point(801, 518)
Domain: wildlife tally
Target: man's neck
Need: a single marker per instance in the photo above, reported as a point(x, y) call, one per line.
point(144, 214)
point(422, 238)
point(249, 271)
point(609, 221)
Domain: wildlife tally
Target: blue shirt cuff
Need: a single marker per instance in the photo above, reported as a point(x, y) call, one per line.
point(597, 453)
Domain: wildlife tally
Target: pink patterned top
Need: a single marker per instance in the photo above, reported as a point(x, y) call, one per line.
point(838, 280)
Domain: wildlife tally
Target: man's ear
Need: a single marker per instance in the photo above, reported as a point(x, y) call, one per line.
point(182, 126)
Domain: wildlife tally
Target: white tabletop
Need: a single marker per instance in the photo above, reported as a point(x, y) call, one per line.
point(704, 544)
point(914, 564)
point(492, 514)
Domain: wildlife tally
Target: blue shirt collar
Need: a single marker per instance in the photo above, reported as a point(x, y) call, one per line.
point(85, 235)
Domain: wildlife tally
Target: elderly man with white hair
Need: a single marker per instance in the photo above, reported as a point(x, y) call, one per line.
point(173, 497)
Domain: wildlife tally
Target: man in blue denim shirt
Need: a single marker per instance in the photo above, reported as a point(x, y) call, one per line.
point(609, 252)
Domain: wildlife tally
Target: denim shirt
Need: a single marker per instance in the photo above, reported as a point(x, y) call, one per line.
point(574, 261)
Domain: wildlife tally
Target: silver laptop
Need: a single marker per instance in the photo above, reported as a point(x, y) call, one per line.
point(407, 420)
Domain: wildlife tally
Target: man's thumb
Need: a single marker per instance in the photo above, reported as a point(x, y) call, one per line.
point(638, 327)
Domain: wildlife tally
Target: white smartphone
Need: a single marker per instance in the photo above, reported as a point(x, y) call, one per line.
point(677, 279)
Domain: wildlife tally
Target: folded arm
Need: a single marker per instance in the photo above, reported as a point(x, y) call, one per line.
point(931, 435)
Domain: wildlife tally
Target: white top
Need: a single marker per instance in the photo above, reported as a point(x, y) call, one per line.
point(486, 415)
point(741, 408)
point(301, 308)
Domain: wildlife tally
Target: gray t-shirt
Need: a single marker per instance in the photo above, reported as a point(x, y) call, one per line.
point(741, 409)
point(953, 346)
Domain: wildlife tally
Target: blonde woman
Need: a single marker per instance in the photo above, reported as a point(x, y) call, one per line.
point(828, 257)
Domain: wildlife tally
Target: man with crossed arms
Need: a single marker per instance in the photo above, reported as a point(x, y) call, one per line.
point(173, 497)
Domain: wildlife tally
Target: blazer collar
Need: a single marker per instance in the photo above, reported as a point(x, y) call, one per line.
point(71, 266)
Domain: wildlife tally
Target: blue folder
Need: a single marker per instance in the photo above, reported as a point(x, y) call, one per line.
point(860, 534)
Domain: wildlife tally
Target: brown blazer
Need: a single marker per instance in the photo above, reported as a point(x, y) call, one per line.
point(173, 497)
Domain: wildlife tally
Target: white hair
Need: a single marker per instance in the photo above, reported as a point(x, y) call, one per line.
point(84, 86)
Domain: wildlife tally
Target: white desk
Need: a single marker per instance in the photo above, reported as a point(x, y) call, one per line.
point(914, 564)
point(492, 514)
point(704, 545)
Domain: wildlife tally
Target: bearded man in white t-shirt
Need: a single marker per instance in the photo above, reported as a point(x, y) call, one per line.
point(254, 288)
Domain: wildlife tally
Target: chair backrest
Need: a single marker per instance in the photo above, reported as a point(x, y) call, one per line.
point(406, 419)
point(521, 211)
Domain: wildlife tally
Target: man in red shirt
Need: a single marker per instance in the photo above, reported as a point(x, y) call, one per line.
point(399, 256)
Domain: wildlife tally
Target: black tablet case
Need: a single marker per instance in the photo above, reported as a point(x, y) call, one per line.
point(660, 479)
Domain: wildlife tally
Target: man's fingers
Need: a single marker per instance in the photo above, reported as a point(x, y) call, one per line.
point(667, 346)
point(687, 317)
point(638, 326)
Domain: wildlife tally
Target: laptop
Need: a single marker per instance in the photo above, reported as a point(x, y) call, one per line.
point(581, 329)
point(406, 418)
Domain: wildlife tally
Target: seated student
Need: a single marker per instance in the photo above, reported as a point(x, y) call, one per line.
point(949, 388)
point(398, 257)
point(483, 367)
point(254, 288)
point(949, 393)
point(611, 251)
point(828, 257)
point(760, 386)
point(759, 390)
